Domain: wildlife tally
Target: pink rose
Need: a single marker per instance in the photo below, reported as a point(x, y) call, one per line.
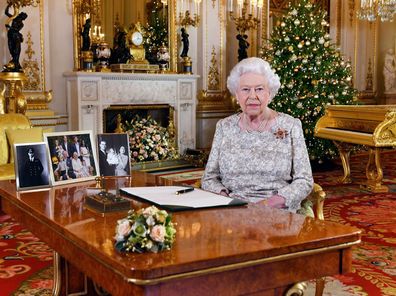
point(123, 229)
point(158, 233)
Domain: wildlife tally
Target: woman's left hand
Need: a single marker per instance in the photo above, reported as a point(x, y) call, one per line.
point(276, 201)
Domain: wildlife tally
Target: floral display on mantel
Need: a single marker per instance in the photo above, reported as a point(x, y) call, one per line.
point(149, 141)
point(148, 229)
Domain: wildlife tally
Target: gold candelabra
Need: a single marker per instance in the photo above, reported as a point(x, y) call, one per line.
point(97, 35)
point(21, 3)
point(189, 18)
point(245, 21)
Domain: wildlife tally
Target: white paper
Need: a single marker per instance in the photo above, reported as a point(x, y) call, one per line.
point(166, 195)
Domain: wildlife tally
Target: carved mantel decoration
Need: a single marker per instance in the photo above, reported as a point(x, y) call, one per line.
point(88, 94)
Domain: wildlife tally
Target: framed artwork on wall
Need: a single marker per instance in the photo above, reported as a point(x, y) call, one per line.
point(114, 155)
point(73, 156)
point(31, 166)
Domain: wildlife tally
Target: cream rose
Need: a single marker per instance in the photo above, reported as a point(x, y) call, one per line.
point(123, 229)
point(158, 233)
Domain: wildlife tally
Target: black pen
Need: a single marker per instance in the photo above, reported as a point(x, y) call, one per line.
point(184, 190)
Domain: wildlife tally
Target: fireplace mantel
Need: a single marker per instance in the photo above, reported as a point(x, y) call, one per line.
point(88, 94)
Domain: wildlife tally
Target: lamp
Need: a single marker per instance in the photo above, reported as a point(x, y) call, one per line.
point(247, 15)
point(189, 13)
point(371, 9)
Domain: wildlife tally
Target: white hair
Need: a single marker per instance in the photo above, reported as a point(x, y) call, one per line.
point(257, 66)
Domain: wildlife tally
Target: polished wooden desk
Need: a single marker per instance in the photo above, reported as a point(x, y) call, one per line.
point(230, 251)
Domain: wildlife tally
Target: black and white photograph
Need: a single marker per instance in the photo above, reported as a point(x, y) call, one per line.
point(31, 166)
point(113, 151)
point(73, 156)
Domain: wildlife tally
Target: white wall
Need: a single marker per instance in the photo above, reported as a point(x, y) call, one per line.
point(61, 50)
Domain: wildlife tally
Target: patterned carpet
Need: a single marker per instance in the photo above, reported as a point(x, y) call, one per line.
point(25, 262)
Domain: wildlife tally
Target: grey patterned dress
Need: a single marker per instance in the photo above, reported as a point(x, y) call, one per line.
point(256, 165)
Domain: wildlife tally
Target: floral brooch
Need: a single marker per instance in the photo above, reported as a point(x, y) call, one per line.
point(281, 133)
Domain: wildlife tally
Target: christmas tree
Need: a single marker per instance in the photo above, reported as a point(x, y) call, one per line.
point(156, 31)
point(312, 71)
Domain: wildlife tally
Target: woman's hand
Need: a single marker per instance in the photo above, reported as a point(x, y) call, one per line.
point(275, 201)
point(224, 193)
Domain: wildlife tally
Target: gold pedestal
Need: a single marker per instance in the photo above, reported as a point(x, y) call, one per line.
point(187, 65)
point(11, 98)
point(87, 61)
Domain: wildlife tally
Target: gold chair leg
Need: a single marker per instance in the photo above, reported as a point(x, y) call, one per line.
point(344, 150)
point(297, 289)
point(374, 172)
point(56, 288)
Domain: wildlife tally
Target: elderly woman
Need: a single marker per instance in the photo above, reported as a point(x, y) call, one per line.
point(258, 155)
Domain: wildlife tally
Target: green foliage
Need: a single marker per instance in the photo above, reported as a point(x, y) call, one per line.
point(156, 30)
point(312, 71)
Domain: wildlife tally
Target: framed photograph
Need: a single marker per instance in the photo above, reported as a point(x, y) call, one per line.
point(114, 158)
point(31, 166)
point(72, 156)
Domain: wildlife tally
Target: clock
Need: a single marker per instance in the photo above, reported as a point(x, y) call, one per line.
point(137, 38)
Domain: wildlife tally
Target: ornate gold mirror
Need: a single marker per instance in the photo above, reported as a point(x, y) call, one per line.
point(157, 17)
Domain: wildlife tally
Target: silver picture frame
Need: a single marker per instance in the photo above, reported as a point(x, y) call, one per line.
point(114, 154)
point(31, 166)
point(73, 156)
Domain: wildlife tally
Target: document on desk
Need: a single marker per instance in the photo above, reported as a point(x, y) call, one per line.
point(167, 198)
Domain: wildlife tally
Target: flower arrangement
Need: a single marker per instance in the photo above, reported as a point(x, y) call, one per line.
point(148, 229)
point(148, 140)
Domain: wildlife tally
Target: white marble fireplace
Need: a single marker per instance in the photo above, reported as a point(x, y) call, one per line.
point(88, 94)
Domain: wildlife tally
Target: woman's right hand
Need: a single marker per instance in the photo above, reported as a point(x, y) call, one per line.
point(224, 193)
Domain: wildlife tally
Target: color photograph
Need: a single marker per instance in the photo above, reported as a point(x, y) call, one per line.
point(73, 156)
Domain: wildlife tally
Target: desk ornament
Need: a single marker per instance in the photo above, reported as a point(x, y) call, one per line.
point(101, 200)
point(148, 229)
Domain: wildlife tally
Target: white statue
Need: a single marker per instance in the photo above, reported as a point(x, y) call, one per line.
point(390, 71)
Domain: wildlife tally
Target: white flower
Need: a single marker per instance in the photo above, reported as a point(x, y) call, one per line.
point(150, 221)
point(150, 211)
point(149, 244)
point(139, 229)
